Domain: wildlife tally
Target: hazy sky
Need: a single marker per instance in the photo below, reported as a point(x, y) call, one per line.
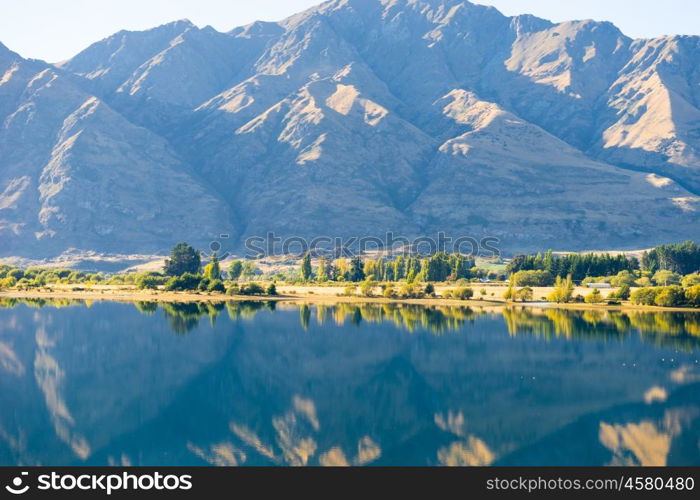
point(57, 29)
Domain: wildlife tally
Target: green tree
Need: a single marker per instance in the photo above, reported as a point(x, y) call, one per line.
point(183, 259)
point(306, 270)
point(665, 277)
point(212, 271)
point(563, 290)
point(249, 269)
point(322, 272)
point(356, 271)
point(235, 269)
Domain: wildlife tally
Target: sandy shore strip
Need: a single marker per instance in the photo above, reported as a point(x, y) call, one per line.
point(314, 294)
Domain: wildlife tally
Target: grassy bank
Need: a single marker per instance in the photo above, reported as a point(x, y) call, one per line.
point(486, 295)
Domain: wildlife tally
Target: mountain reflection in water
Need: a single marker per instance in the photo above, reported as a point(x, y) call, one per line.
point(255, 383)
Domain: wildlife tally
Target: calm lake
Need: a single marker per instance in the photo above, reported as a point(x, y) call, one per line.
point(267, 384)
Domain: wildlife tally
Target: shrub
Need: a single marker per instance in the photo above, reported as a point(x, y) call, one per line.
point(216, 286)
point(410, 291)
point(464, 293)
point(150, 281)
point(367, 288)
point(187, 281)
point(623, 293)
point(8, 282)
point(533, 278)
point(594, 297)
point(670, 296)
point(692, 296)
point(690, 280)
point(644, 296)
point(524, 294)
point(203, 284)
point(252, 289)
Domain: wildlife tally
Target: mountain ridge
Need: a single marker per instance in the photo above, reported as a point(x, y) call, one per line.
point(358, 117)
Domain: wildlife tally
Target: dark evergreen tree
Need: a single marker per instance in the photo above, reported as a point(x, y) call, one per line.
point(183, 259)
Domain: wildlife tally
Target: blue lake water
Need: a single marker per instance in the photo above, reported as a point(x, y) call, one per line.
point(275, 384)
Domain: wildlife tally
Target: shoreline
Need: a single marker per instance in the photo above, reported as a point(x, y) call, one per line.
point(133, 296)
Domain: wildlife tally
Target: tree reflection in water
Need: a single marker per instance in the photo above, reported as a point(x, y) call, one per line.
point(680, 330)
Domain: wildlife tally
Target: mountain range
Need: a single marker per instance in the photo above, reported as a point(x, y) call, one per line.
point(354, 118)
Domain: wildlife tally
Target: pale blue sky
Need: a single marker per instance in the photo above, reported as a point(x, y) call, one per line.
point(57, 29)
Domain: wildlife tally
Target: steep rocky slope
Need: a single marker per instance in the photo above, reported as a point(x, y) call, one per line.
point(355, 118)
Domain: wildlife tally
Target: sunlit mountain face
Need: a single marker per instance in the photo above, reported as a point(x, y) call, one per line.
point(276, 384)
point(354, 118)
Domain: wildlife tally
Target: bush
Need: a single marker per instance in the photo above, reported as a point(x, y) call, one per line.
point(271, 290)
point(410, 291)
point(595, 297)
point(690, 280)
point(464, 293)
point(692, 296)
point(216, 286)
point(252, 289)
point(524, 294)
point(187, 281)
point(367, 288)
point(150, 281)
point(8, 282)
point(670, 296)
point(623, 293)
point(533, 278)
point(644, 296)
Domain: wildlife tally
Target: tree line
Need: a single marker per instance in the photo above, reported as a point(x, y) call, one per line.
point(578, 266)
